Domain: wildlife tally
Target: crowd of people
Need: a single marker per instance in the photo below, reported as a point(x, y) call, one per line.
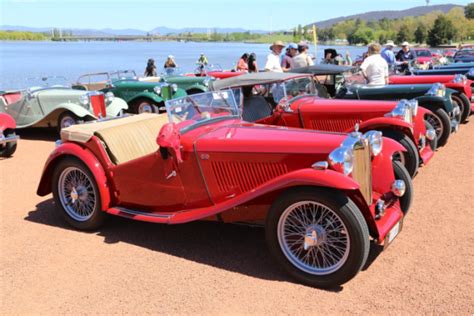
point(375, 66)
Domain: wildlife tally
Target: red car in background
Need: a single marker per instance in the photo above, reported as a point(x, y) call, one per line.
point(8, 137)
point(464, 98)
point(423, 56)
point(321, 196)
point(289, 99)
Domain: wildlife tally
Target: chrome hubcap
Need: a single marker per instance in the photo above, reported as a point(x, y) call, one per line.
point(77, 194)
point(436, 123)
point(67, 121)
point(313, 238)
point(145, 108)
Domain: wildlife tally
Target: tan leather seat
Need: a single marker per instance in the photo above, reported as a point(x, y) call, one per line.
point(125, 139)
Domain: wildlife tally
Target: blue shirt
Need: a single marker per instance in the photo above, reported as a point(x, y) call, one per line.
point(388, 55)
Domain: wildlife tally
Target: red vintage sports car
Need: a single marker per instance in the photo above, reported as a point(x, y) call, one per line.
point(321, 196)
point(423, 56)
point(288, 99)
point(8, 138)
point(463, 98)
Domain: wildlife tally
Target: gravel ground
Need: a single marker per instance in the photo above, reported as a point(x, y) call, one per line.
point(210, 268)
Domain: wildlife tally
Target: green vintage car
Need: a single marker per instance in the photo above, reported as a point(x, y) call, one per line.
point(342, 82)
point(191, 83)
point(142, 96)
point(46, 103)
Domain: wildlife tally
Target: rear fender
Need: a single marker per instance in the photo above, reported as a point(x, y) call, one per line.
point(6, 122)
point(86, 157)
point(387, 123)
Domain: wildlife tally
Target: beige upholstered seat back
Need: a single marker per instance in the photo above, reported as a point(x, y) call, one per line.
point(132, 140)
point(95, 86)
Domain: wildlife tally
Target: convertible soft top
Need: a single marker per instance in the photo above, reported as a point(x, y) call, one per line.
point(323, 69)
point(252, 79)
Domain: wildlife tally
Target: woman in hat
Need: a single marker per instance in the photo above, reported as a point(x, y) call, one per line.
point(273, 59)
point(170, 62)
point(303, 59)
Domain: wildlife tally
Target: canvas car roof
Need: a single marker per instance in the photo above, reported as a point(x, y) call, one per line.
point(323, 69)
point(252, 79)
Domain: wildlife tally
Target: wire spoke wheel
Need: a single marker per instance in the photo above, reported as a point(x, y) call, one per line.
point(77, 194)
point(436, 123)
point(313, 238)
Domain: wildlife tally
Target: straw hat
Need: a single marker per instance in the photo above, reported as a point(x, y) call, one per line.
point(390, 43)
point(405, 44)
point(277, 43)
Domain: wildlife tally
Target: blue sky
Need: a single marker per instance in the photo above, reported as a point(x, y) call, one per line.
point(148, 14)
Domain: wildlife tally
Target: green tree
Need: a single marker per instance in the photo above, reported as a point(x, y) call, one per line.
point(403, 34)
point(442, 32)
point(469, 11)
point(420, 34)
point(363, 35)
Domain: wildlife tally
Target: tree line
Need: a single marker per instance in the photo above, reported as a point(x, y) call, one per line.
point(435, 28)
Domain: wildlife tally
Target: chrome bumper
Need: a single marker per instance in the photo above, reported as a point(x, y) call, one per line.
point(8, 139)
point(398, 190)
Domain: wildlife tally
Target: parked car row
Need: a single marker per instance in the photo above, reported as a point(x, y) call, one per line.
point(324, 162)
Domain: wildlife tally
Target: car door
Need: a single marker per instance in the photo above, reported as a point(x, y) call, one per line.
point(150, 183)
point(28, 110)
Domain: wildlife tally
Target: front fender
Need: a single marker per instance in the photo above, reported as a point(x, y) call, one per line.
point(116, 107)
point(303, 177)
point(197, 86)
point(82, 154)
point(380, 123)
point(147, 95)
point(434, 102)
point(6, 122)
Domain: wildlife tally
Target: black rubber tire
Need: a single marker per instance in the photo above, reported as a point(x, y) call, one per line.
point(98, 216)
point(8, 149)
point(433, 143)
point(402, 174)
point(349, 214)
point(464, 105)
point(135, 105)
point(411, 155)
point(63, 116)
point(443, 117)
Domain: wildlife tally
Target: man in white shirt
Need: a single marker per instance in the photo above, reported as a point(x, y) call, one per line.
point(375, 67)
point(273, 59)
point(302, 59)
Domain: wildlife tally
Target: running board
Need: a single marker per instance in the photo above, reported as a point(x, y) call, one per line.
point(140, 216)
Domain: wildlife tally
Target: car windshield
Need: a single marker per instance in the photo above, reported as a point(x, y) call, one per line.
point(124, 75)
point(464, 53)
point(37, 83)
point(201, 109)
point(423, 53)
point(213, 67)
point(292, 88)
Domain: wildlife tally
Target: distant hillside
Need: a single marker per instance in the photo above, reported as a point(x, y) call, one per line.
point(377, 15)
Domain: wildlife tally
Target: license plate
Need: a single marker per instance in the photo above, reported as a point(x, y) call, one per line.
point(393, 233)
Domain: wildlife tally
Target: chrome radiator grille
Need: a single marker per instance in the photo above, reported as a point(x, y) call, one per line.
point(362, 170)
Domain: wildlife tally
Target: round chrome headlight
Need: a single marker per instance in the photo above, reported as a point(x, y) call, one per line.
point(109, 97)
point(84, 100)
point(403, 111)
point(206, 82)
point(341, 159)
point(413, 106)
point(157, 90)
point(174, 87)
point(459, 78)
point(376, 141)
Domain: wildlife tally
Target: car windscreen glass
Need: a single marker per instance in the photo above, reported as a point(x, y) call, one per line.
point(201, 109)
point(46, 82)
point(423, 53)
point(123, 75)
point(464, 53)
point(172, 71)
point(95, 78)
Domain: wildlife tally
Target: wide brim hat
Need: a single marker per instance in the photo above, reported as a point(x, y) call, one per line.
point(390, 43)
point(405, 44)
point(277, 43)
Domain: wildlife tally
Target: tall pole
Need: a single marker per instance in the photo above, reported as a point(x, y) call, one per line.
point(315, 40)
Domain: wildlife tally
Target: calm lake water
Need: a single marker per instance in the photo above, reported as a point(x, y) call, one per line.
point(22, 60)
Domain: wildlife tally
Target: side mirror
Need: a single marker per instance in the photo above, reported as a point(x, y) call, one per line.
point(169, 141)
